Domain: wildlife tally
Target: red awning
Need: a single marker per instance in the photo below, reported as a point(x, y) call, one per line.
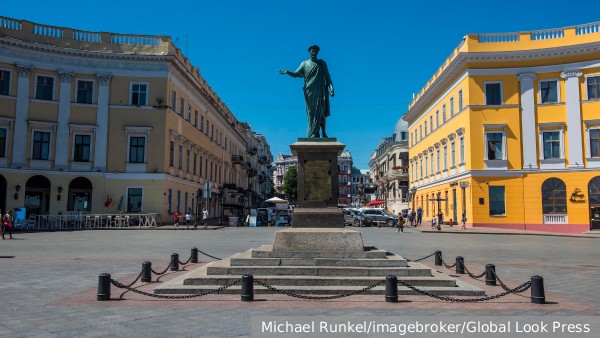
point(375, 202)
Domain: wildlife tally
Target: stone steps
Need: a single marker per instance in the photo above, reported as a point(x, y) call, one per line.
point(323, 281)
point(266, 251)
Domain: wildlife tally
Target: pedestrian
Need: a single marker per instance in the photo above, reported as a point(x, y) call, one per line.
point(433, 221)
point(400, 223)
point(410, 217)
point(464, 219)
point(419, 216)
point(176, 219)
point(7, 224)
point(188, 219)
point(205, 218)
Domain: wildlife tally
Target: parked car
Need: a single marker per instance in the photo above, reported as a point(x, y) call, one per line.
point(381, 216)
point(356, 218)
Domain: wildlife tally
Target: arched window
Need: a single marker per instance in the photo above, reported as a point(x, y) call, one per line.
point(554, 196)
point(594, 190)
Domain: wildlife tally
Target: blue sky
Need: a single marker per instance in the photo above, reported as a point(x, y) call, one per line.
point(378, 52)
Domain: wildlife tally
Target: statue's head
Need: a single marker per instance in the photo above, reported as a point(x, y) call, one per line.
point(315, 47)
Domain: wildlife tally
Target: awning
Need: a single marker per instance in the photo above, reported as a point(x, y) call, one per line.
point(375, 202)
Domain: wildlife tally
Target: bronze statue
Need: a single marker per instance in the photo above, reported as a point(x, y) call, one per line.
point(317, 89)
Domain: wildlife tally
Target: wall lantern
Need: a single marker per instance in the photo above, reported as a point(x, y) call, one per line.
point(59, 192)
point(17, 188)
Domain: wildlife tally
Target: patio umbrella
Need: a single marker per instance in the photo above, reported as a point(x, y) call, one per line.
point(275, 200)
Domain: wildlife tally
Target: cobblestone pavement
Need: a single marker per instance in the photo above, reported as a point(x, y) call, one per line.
point(48, 281)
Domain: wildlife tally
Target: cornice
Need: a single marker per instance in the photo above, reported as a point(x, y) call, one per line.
point(464, 58)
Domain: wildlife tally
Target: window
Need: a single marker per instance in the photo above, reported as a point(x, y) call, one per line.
point(187, 161)
point(461, 141)
point(41, 145)
point(403, 136)
point(44, 88)
point(85, 91)
point(138, 94)
point(420, 133)
point(460, 100)
point(170, 201)
point(425, 124)
point(201, 122)
point(453, 154)
point(444, 114)
point(594, 142)
point(431, 167)
point(437, 156)
point(2, 142)
point(451, 107)
point(445, 157)
point(548, 91)
point(431, 122)
point(182, 107)
point(494, 146)
point(180, 157)
point(200, 170)
point(426, 166)
point(172, 153)
point(437, 118)
point(552, 147)
point(134, 199)
point(173, 100)
point(81, 151)
point(178, 201)
point(196, 119)
point(497, 202)
point(554, 196)
point(593, 87)
point(493, 94)
point(195, 165)
point(137, 148)
point(189, 117)
point(4, 82)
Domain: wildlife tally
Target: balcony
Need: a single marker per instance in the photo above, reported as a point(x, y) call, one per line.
point(263, 159)
point(237, 159)
point(556, 219)
point(262, 178)
point(252, 150)
point(252, 172)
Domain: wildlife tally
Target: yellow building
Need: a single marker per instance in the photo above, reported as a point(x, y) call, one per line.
point(106, 122)
point(508, 131)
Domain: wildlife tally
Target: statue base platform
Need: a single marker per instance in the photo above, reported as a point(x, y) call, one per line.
point(318, 218)
point(312, 239)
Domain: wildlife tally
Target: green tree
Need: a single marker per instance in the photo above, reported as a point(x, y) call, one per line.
point(290, 183)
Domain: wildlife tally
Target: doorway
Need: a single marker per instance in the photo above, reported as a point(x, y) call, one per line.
point(594, 200)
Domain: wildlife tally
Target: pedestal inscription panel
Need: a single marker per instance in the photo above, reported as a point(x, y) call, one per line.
point(317, 180)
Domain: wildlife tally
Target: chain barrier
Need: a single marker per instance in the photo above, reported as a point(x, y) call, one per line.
point(205, 254)
point(472, 275)
point(184, 263)
point(195, 295)
point(448, 266)
point(519, 289)
point(136, 279)
point(291, 294)
point(420, 259)
point(502, 285)
point(162, 272)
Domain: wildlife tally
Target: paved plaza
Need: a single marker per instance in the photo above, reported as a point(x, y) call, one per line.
point(48, 281)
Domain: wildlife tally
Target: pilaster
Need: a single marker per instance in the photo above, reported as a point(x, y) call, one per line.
point(19, 154)
point(573, 117)
point(101, 141)
point(528, 139)
point(64, 116)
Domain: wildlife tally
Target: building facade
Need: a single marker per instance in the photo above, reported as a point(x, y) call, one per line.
point(507, 131)
point(106, 122)
point(389, 169)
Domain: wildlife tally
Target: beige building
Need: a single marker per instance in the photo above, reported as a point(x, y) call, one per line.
point(106, 122)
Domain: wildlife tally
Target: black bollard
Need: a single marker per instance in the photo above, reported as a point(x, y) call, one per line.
point(146, 272)
point(194, 255)
point(391, 289)
point(174, 262)
point(103, 287)
point(490, 274)
point(460, 264)
point(438, 258)
point(247, 288)
point(537, 290)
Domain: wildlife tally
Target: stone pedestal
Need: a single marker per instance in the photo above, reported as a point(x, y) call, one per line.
point(317, 240)
point(317, 183)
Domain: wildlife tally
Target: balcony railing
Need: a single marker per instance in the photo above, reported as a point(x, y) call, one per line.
point(263, 159)
point(556, 219)
point(252, 150)
point(237, 159)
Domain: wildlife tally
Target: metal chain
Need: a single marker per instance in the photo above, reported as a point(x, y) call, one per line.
point(420, 259)
point(184, 263)
point(162, 272)
point(472, 275)
point(504, 286)
point(195, 295)
point(521, 288)
point(291, 294)
point(448, 266)
point(205, 254)
point(136, 279)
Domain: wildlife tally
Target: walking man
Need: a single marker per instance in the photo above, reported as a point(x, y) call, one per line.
point(419, 216)
point(205, 218)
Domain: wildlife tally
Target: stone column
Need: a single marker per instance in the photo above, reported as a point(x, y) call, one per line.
point(19, 153)
point(528, 138)
point(573, 117)
point(64, 116)
point(101, 141)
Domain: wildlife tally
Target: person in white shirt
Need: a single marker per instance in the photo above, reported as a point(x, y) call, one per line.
point(204, 218)
point(188, 219)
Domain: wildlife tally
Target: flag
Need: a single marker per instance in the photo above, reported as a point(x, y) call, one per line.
point(120, 203)
point(108, 201)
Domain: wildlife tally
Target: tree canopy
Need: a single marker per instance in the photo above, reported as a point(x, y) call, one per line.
point(290, 183)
